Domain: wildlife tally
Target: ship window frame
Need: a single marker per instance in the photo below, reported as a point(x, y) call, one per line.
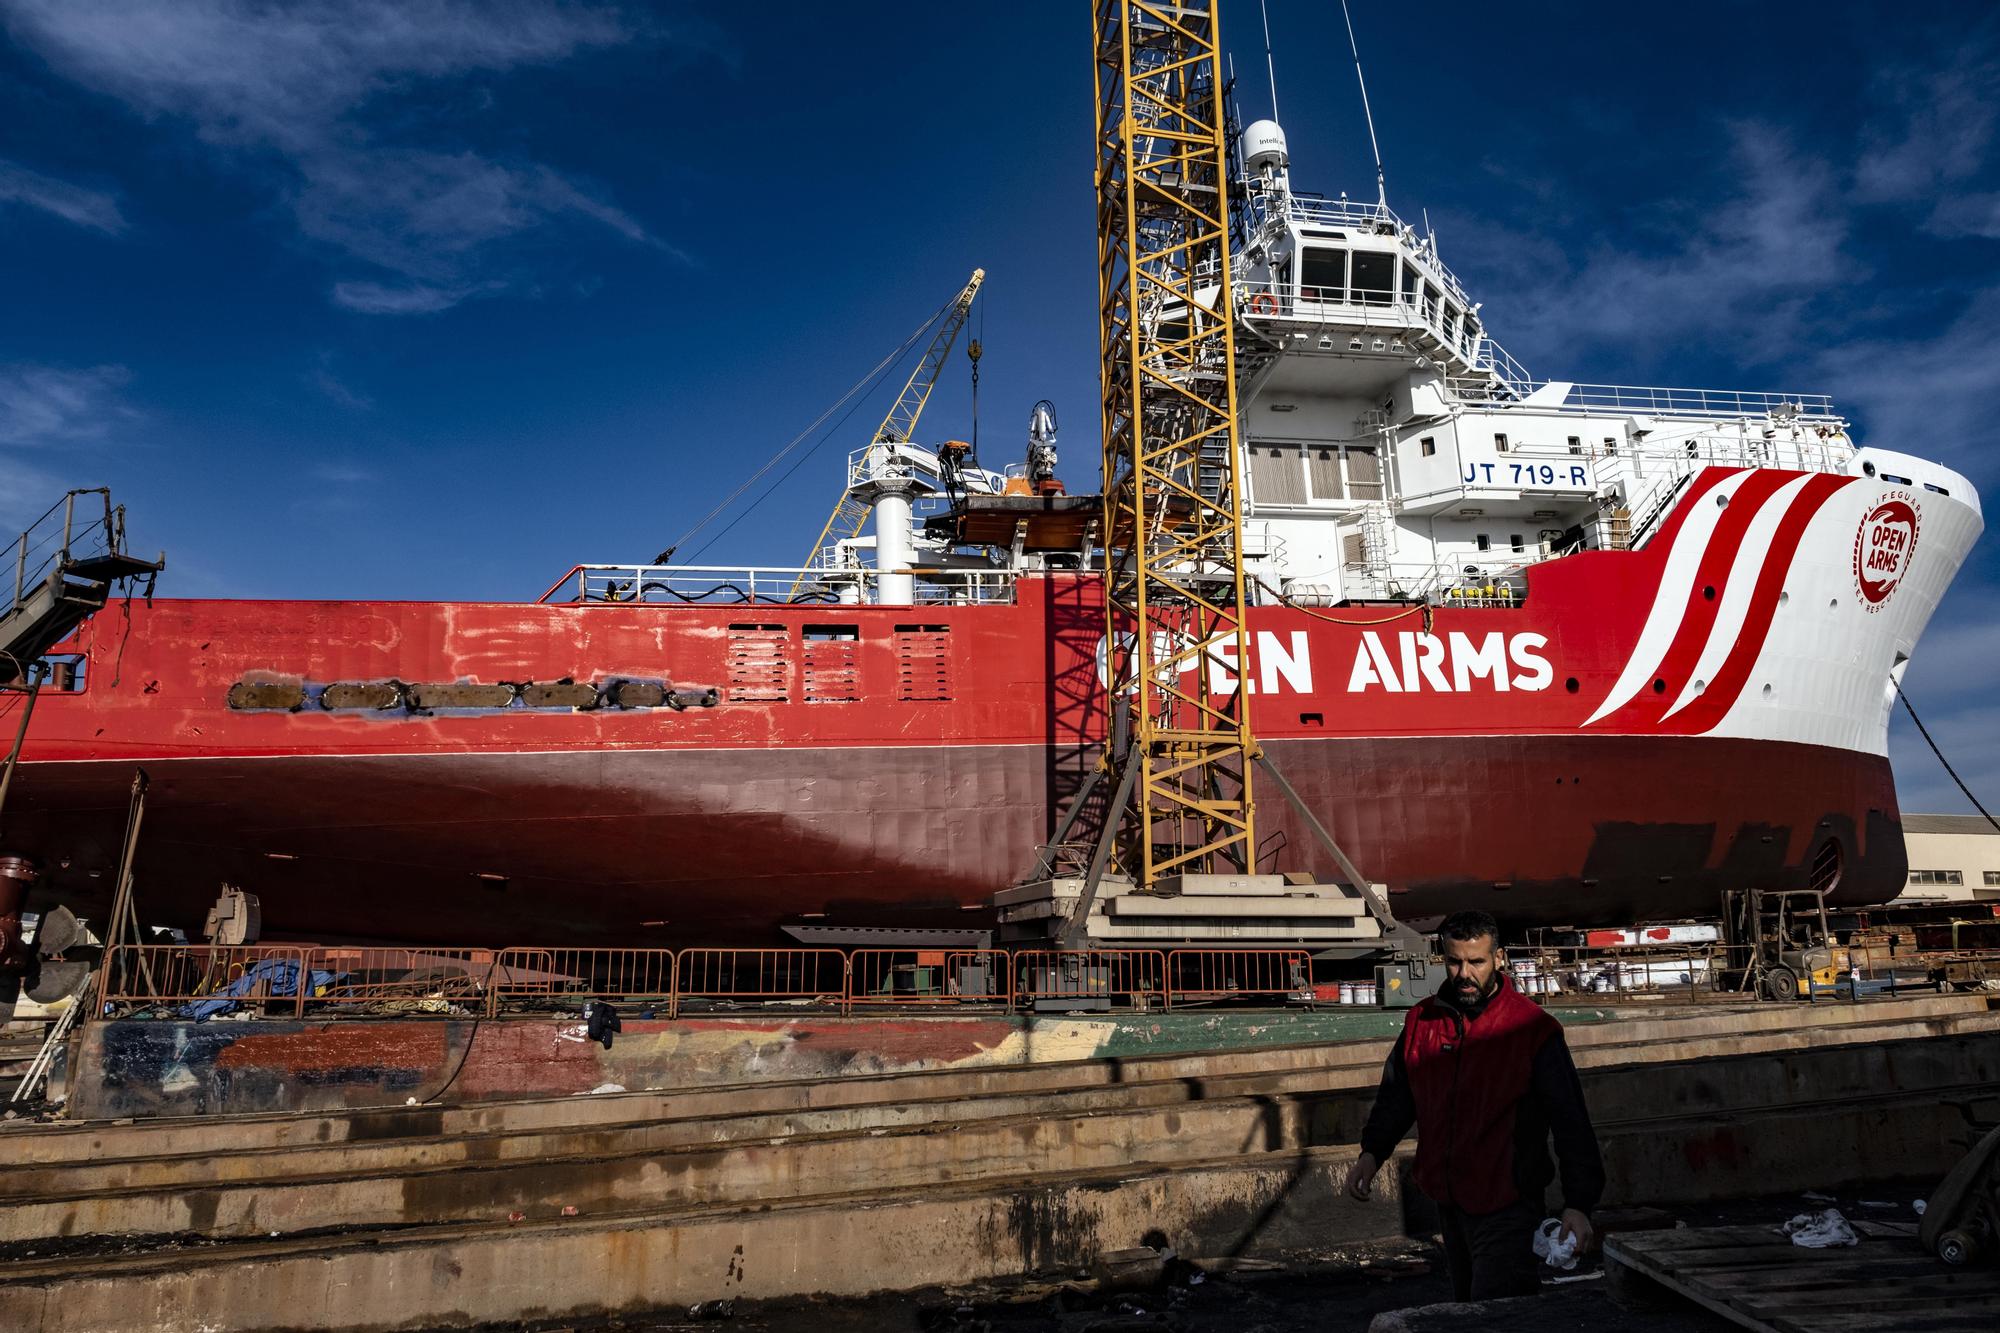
point(1500, 444)
point(1412, 281)
point(1317, 292)
point(1482, 541)
point(1384, 292)
point(1428, 446)
point(52, 663)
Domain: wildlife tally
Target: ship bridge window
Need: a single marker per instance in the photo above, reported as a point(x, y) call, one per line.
point(1411, 284)
point(1374, 277)
point(1450, 325)
point(1430, 303)
point(1277, 474)
point(1323, 274)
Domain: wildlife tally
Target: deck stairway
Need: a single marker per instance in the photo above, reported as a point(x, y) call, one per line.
point(66, 564)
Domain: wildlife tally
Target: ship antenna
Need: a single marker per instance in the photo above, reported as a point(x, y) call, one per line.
point(1381, 180)
point(1270, 66)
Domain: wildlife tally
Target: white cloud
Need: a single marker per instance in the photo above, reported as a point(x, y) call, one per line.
point(52, 405)
point(1935, 130)
point(296, 82)
point(333, 387)
point(71, 203)
point(372, 298)
point(1927, 393)
point(1737, 269)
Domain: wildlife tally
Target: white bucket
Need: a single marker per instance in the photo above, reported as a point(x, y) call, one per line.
point(1347, 992)
point(1364, 993)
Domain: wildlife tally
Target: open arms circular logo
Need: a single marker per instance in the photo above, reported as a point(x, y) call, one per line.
point(1884, 547)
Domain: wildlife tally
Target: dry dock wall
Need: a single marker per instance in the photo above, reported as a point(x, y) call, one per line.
point(166, 1067)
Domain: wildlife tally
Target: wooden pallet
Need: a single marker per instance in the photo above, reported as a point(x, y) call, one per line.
point(1754, 1276)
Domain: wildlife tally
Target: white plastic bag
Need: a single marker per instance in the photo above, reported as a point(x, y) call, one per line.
point(1555, 1249)
point(1821, 1230)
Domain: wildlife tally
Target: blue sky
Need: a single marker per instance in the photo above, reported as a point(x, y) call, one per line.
point(434, 298)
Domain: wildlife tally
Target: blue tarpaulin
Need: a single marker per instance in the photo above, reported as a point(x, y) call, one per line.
point(275, 975)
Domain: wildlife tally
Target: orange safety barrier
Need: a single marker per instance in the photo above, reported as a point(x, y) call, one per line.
point(415, 981)
point(927, 977)
point(636, 975)
point(1133, 976)
point(183, 974)
point(761, 974)
point(1203, 976)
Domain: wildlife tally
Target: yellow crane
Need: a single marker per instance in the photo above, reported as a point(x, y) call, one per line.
point(901, 423)
point(1173, 530)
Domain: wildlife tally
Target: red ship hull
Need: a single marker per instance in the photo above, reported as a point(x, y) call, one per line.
point(361, 767)
point(653, 847)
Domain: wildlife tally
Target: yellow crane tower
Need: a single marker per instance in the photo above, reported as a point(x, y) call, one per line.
point(1173, 532)
point(900, 425)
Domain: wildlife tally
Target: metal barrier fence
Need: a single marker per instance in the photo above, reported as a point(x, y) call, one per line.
point(189, 976)
point(388, 980)
point(183, 980)
point(564, 975)
point(1197, 976)
point(1090, 976)
point(928, 977)
point(808, 975)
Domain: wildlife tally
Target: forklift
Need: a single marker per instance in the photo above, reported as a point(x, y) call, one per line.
point(1776, 943)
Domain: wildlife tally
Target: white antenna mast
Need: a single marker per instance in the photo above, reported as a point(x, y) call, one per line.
point(1381, 180)
point(1270, 67)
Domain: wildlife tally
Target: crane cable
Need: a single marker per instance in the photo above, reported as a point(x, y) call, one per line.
point(1925, 732)
point(864, 383)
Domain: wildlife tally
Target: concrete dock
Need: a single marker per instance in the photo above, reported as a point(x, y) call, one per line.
point(731, 1176)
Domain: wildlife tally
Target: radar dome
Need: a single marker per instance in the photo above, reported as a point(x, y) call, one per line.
point(1264, 146)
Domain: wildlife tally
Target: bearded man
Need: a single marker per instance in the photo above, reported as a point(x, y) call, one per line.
point(1484, 1074)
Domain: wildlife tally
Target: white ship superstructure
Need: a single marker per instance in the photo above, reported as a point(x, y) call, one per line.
point(1395, 450)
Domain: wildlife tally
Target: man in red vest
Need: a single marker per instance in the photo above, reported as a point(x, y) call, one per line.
point(1484, 1074)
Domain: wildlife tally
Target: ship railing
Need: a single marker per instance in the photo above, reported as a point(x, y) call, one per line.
point(716, 585)
point(1214, 976)
point(1314, 210)
point(62, 535)
point(928, 978)
point(1382, 321)
point(1657, 401)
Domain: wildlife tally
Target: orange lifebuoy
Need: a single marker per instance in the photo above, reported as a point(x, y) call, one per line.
point(1263, 303)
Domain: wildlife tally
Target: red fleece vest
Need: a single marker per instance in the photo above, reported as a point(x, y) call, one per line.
point(1467, 1095)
